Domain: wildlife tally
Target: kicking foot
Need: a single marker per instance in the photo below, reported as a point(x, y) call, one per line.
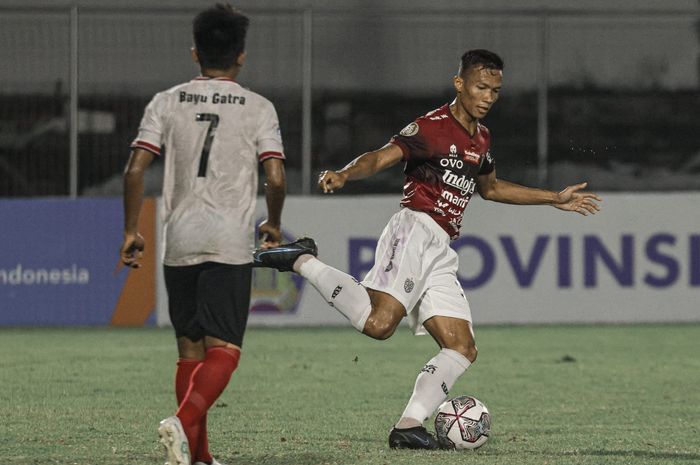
point(173, 438)
point(213, 462)
point(283, 257)
point(412, 438)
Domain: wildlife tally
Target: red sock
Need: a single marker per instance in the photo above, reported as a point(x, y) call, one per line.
point(185, 367)
point(208, 381)
point(202, 454)
point(183, 375)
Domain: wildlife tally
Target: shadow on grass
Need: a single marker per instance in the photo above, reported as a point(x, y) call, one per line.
point(311, 458)
point(296, 458)
point(633, 453)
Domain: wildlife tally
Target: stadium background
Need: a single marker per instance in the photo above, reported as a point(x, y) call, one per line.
point(597, 90)
point(605, 93)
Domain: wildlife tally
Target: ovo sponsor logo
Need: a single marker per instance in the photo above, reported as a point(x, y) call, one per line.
point(451, 163)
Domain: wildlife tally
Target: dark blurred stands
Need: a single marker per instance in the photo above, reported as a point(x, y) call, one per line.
point(618, 140)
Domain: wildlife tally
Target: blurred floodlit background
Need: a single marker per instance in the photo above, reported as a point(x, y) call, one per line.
point(592, 90)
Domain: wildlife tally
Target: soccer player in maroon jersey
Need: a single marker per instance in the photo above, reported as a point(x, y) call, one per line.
point(446, 158)
point(217, 134)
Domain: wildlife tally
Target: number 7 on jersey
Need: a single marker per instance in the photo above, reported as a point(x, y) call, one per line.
point(213, 119)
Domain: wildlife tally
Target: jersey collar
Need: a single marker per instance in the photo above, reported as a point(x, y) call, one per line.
point(207, 78)
point(456, 121)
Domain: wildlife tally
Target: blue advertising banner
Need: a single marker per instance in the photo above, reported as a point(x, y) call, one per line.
point(636, 261)
point(57, 261)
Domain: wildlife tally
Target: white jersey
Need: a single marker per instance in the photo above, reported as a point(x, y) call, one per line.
point(213, 133)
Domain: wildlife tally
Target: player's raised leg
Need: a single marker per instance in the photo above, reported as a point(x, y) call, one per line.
point(282, 258)
point(372, 307)
point(374, 313)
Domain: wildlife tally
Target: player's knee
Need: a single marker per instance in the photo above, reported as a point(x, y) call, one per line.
point(379, 329)
point(190, 349)
point(472, 353)
point(469, 351)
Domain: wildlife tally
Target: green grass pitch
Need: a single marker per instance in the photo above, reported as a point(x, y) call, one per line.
point(557, 394)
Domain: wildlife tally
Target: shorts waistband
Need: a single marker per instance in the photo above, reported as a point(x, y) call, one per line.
point(428, 221)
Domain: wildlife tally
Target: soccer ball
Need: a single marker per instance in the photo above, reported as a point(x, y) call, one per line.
point(462, 423)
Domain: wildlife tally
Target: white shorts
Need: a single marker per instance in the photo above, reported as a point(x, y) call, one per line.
point(415, 264)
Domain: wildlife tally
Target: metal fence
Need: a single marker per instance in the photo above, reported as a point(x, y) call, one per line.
point(611, 97)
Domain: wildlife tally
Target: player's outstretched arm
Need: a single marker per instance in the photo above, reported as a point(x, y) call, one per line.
point(570, 199)
point(133, 244)
point(361, 167)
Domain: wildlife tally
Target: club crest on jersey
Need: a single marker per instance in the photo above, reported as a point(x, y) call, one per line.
point(453, 150)
point(472, 157)
point(410, 130)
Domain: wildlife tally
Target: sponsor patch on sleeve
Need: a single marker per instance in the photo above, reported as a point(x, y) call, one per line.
point(410, 130)
point(472, 157)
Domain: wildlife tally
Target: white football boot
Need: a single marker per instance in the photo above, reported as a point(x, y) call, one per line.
point(173, 438)
point(213, 462)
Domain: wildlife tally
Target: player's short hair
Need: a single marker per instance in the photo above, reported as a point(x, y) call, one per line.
point(479, 58)
point(219, 36)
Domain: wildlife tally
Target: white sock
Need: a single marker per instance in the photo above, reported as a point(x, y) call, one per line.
point(433, 385)
point(340, 290)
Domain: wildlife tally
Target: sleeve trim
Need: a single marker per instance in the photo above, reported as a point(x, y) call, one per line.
point(402, 146)
point(140, 144)
point(267, 155)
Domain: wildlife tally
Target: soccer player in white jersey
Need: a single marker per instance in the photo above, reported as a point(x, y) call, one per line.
point(213, 134)
point(447, 157)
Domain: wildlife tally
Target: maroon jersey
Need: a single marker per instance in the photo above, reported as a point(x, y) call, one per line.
point(442, 161)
